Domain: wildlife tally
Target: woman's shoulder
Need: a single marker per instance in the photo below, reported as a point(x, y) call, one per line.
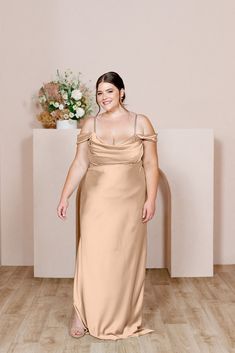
point(144, 124)
point(86, 129)
point(88, 124)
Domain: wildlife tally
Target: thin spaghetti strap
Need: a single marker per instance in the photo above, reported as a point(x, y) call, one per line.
point(135, 124)
point(94, 123)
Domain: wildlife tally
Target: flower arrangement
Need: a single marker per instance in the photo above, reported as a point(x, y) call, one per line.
point(64, 98)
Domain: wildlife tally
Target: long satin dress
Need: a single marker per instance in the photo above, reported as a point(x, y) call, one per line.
point(111, 257)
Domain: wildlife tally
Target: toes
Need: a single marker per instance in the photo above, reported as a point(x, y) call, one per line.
point(76, 332)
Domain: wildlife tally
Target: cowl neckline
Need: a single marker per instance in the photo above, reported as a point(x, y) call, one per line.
point(113, 144)
point(93, 136)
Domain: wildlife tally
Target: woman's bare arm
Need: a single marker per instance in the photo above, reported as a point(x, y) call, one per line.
point(76, 170)
point(151, 168)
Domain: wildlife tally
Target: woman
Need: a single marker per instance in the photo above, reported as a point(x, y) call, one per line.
point(117, 156)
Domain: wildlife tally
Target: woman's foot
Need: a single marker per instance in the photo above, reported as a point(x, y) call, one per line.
point(76, 329)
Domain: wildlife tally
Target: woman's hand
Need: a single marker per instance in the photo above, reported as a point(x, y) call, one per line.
point(148, 210)
point(62, 208)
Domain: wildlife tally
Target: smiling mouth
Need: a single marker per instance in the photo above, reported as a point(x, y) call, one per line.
point(107, 102)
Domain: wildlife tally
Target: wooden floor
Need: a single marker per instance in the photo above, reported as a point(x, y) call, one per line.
point(193, 315)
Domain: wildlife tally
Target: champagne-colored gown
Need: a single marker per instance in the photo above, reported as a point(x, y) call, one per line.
point(111, 258)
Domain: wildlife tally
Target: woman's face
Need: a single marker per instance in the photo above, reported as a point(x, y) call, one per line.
point(108, 96)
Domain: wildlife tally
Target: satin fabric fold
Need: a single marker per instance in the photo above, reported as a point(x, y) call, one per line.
point(111, 258)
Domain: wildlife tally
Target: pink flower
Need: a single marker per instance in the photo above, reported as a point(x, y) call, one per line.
point(52, 92)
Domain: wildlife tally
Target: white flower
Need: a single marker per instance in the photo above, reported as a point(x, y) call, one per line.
point(74, 107)
point(76, 94)
point(56, 104)
point(71, 115)
point(61, 107)
point(65, 96)
point(80, 112)
point(79, 103)
point(66, 116)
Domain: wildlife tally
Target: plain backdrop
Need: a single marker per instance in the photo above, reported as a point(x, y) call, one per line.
point(177, 62)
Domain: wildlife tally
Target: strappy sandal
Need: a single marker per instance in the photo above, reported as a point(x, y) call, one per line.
point(77, 331)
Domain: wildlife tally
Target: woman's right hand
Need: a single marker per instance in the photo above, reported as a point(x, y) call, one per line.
point(62, 209)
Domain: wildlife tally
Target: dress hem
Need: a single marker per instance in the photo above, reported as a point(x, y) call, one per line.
point(117, 337)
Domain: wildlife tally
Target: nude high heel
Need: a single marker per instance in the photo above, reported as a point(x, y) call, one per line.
point(76, 330)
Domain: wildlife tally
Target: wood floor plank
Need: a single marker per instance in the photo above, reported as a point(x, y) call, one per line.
point(52, 340)
point(159, 338)
point(222, 290)
point(17, 277)
point(171, 312)
point(32, 326)
point(49, 286)
point(9, 326)
point(224, 268)
point(210, 344)
point(5, 294)
point(23, 296)
point(222, 323)
point(59, 313)
point(187, 314)
point(229, 279)
point(182, 339)
point(5, 273)
point(24, 348)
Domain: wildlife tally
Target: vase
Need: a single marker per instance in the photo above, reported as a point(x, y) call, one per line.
point(66, 124)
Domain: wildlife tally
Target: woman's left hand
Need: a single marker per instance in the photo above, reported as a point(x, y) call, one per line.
point(148, 210)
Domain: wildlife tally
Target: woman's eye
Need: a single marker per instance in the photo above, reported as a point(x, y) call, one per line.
point(98, 94)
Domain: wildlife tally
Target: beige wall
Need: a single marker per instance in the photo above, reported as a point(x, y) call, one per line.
point(176, 59)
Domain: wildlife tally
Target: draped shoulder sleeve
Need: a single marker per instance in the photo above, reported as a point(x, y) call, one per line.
point(149, 137)
point(83, 136)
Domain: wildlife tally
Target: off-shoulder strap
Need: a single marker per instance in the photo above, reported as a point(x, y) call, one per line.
point(149, 137)
point(84, 136)
point(94, 123)
point(135, 124)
